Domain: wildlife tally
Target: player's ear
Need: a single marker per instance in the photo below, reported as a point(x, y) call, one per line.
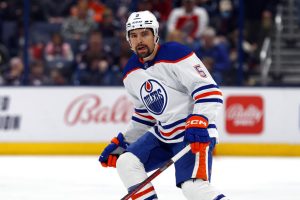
point(130, 46)
point(129, 43)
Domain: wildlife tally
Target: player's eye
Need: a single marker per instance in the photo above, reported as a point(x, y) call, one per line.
point(145, 33)
point(132, 35)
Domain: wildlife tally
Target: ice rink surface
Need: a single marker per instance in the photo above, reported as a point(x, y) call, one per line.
point(82, 178)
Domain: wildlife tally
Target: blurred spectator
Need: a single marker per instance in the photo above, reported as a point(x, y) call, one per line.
point(76, 28)
point(125, 53)
point(250, 56)
point(4, 58)
point(117, 73)
point(225, 19)
point(36, 51)
point(37, 76)
point(14, 73)
point(57, 77)
point(176, 36)
point(257, 13)
point(37, 13)
point(110, 31)
point(4, 55)
point(109, 27)
point(183, 21)
point(13, 10)
point(214, 55)
point(122, 13)
point(125, 49)
point(190, 19)
point(57, 10)
point(3, 62)
point(94, 49)
point(58, 52)
point(258, 25)
point(162, 10)
point(98, 9)
point(211, 6)
point(144, 5)
point(13, 37)
point(98, 72)
point(95, 52)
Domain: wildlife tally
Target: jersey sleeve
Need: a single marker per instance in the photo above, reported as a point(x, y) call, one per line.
point(141, 121)
point(199, 84)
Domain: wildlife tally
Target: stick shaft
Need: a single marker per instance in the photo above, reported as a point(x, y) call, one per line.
point(157, 172)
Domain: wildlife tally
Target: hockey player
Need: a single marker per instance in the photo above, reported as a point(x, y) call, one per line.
point(176, 102)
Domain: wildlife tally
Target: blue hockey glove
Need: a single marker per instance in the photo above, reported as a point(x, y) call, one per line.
point(196, 132)
point(110, 154)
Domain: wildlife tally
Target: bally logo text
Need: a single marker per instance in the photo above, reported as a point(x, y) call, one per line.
point(244, 114)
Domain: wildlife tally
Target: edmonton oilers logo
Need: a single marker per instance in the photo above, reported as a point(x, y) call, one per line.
point(154, 96)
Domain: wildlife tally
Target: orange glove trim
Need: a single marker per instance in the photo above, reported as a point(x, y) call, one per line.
point(112, 161)
point(196, 122)
point(104, 164)
point(202, 172)
point(115, 141)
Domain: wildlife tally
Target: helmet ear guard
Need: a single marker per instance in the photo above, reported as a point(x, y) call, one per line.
point(156, 39)
point(142, 19)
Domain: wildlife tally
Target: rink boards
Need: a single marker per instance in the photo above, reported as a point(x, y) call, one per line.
point(81, 120)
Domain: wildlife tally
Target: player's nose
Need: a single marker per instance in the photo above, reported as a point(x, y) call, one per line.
point(140, 39)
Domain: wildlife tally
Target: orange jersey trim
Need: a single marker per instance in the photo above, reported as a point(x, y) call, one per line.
point(148, 117)
point(208, 94)
point(137, 68)
point(174, 61)
point(167, 134)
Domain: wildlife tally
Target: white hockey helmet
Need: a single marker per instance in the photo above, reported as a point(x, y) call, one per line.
point(142, 19)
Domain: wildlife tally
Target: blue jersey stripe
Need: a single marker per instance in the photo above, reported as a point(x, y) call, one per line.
point(204, 88)
point(173, 124)
point(168, 139)
point(177, 136)
point(221, 196)
point(152, 197)
point(215, 100)
point(142, 121)
point(182, 121)
point(141, 110)
point(211, 126)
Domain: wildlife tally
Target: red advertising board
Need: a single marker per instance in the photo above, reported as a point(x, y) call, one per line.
point(244, 114)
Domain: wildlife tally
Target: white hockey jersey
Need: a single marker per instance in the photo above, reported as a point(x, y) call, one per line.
point(166, 90)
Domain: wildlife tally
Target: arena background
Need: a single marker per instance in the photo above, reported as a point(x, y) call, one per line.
point(61, 84)
point(62, 97)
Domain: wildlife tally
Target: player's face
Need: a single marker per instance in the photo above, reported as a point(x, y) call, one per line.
point(142, 42)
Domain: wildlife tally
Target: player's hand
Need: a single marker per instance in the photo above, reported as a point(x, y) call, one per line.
point(196, 133)
point(110, 154)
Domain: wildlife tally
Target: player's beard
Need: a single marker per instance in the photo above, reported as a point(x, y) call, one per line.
point(147, 52)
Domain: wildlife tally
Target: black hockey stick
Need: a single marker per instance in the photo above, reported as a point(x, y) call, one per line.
point(157, 172)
